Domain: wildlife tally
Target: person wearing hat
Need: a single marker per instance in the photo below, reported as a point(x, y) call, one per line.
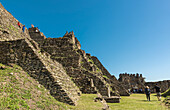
point(147, 92)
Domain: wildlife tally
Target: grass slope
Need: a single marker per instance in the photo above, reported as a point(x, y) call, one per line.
point(138, 102)
point(20, 91)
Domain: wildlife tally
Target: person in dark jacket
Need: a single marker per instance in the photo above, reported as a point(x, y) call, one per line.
point(147, 92)
point(158, 92)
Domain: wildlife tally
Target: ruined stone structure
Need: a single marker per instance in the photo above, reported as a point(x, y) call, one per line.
point(80, 66)
point(132, 81)
point(17, 47)
point(110, 78)
point(58, 64)
point(137, 81)
point(164, 85)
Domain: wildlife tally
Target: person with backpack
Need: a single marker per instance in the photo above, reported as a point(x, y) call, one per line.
point(147, 92)
point(158, 92)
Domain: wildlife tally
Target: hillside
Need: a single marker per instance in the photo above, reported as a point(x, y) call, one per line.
point(20, 91)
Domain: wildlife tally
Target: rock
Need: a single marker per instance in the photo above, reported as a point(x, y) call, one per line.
point(11, 73)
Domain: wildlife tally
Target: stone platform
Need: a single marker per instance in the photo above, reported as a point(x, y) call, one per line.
point(112, 99)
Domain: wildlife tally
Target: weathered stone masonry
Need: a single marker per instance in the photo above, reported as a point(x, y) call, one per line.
point(17, 47)
point(132, 80)
point(66, 50)
point(39, 66)
point(109, 78)
point(55, 62)
point(164, 85)
point(138, 81)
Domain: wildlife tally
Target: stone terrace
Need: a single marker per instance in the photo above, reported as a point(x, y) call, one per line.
point(66, 50)
point(17, 47)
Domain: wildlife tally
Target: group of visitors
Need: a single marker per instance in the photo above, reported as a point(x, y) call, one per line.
point(23, 27)
point(148, 92)
point(135, 90)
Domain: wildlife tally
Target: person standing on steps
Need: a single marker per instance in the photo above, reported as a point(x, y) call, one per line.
point(23, 28)
point(158, 92)
point(19, 24)
point(147, 92)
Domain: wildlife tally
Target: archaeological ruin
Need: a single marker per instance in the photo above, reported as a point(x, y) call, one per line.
point(164, 85)
point(59, 64)
point(137, 81)
point(132, 81)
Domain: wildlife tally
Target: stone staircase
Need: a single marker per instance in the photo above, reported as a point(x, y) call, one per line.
point(65, 51)
point(17, 47)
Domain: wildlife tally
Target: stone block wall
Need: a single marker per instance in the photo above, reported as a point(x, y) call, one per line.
point(164, 85)
point(37, 34)
point(109, 78)
point(132, 81)
point(82, 71)
point(41, 67)
point(17, 47)
point(9, 29)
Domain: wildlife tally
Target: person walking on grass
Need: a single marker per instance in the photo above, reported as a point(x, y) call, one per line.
point(147, 92)
point(158, 92)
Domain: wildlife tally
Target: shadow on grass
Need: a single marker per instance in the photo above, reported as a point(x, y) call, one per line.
point(147, 101)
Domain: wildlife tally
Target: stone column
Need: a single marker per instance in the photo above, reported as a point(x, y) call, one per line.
point(92, 84)
point(109, 91)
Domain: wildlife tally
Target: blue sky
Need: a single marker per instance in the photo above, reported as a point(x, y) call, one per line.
point(126, 35)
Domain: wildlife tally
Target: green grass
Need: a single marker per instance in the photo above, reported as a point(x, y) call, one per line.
point(90, 60)
point(86, 102)
point(105, 76)
point(18, 91)
point(167, 101)
point(138, 102)
point(133, 102)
